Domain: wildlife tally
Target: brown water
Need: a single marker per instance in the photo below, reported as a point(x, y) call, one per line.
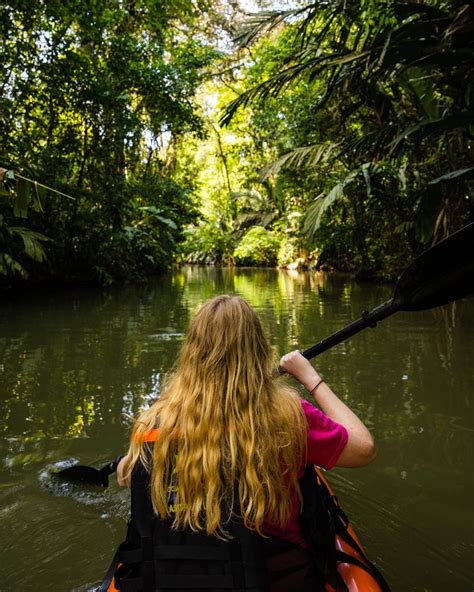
point(76, 363)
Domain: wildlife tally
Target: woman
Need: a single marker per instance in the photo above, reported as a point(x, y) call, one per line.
point(231, 443)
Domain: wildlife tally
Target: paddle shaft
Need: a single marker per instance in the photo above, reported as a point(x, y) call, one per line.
point(368, 319)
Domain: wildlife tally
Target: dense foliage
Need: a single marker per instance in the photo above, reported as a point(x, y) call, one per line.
point(336, 133)
point(361, 122)
point(95, 97)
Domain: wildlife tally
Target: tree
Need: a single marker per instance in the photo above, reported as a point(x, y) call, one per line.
point(392, 84)
point(95, 99)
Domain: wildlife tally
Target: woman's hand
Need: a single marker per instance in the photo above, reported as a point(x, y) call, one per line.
point(300, 368)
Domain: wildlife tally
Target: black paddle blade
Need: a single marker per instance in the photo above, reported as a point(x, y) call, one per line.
point(81, 473)
point(443, 273)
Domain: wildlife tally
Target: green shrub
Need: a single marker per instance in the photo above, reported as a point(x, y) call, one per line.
point(288, 251)
point(258, 246)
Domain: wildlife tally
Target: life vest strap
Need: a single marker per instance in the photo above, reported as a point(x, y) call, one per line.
point(126, 584)
point(176, 582)
point(201, 553)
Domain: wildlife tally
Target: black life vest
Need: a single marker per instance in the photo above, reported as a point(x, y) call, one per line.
point(156, 558)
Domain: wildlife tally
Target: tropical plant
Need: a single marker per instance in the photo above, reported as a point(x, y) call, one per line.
point(395, 80)
point(258, 246)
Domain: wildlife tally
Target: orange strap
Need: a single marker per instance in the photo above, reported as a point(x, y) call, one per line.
point(149, 436)
point(152, 435)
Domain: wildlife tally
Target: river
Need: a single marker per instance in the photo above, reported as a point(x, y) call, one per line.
point(76, 364)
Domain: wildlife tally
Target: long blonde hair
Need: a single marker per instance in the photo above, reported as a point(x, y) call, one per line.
point(227, 428)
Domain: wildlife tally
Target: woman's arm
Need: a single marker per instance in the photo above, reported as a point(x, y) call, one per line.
point(360, 448)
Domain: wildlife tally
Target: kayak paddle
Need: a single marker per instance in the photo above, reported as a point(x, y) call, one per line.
point(90, 475)
point(442, 274)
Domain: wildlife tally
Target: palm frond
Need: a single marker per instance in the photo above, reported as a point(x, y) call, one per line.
point(269, 88)
point(259, 24)
point(457, 174)
point(322, 202)
point(331, 42)
point(434, 126)
point(265, 21)
point(306, 156)
point(247, 219)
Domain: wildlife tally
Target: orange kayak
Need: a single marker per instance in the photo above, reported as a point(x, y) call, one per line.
point(355, 578)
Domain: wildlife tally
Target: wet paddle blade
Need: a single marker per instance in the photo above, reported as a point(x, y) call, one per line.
point(443, 273)
point(84, 474)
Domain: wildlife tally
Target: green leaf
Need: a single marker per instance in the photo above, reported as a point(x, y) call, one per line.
point(321, 204)
point(452, 175)
point(151, 209)
point(23, 196)
point(32, 242)
point(156, 213)
point(10, 266)
point(171, 223)
point(366, 173)
point(10, 175)
point(39, 198)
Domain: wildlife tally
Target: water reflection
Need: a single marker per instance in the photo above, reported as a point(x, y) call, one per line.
point(76, 365)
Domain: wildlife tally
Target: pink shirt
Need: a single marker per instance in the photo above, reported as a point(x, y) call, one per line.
point(326, 440)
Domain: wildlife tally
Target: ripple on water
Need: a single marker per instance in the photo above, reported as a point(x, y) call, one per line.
point(81, 492)
point(112, 501)
point(165, 336)
point(88, 587)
